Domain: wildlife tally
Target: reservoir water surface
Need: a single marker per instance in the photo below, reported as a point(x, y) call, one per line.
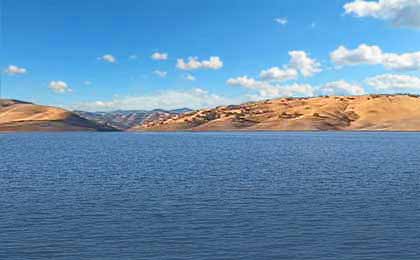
point(210, 196)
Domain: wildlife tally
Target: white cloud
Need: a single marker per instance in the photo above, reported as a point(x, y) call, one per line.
point(59, 87)
point(160, 73)
point(159, 56)
point(364, 54)
point(267, 90)
point(394, 82)
point(15, 70)
point(133, 57)
point(193, 63)
point(268, 86)
point(341, 88)
point(277, 74)
point(281, 20)
point(108, 58)
point(170, 99)
point(402, 13)
point(189, 77)
point(247, 82)
point(406, 61)
point(301, 61)
point(373, 55)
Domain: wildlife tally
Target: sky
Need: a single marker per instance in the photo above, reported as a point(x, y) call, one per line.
point(130, 54)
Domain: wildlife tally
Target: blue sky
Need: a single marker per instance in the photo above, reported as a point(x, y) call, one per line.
point(97, 55)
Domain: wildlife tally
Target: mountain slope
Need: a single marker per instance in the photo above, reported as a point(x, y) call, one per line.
point(129, 118)
point(23, 116)
point(356, 113)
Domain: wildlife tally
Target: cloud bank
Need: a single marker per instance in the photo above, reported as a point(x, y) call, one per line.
point(341, 88)
point(267, 90)
point(373, 55)
point(394, 82)
point(169, 99)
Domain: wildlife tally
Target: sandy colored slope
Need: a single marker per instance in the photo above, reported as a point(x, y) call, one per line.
point(358, 113)
point(21, 116)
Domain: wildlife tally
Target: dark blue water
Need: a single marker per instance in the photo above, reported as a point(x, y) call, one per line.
point(210, 196)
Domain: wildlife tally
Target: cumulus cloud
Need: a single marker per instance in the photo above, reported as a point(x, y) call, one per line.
point(341, 88)
point(247, 82)
point(401, 13)
point(159, 56)
point(160, 73)
point(59, 87)
point(189, 77)
point(281, 20)
point(15, 70)
point(406, 61)
point(267, 90)
point(277, 74)
point(194, 63)
point(364, 54)
point(170, 99)
point(108, 58)
point(268, 86)
point(394, 82)
point(373, 55)
point(301, 61)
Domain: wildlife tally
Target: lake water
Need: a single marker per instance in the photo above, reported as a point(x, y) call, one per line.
point(210, 196)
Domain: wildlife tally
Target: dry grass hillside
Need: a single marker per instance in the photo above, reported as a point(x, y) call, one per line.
point(335, 113)
point(22, 116)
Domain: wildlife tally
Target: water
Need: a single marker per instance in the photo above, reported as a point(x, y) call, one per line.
point(210, 196)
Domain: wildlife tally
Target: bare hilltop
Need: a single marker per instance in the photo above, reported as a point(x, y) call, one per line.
point(18, 116)
point(327, 113)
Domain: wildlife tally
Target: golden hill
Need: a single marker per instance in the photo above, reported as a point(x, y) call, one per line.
point(335, 113)
point(22, 116)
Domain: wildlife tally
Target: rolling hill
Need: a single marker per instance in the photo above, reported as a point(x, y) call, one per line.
point(16, 116)
point(328, 113)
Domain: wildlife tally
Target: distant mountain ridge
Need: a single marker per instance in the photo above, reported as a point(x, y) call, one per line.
point(125, 119)
point(328, 113)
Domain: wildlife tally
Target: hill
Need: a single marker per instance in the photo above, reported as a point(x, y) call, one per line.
point(18, 115)
point(334, 113)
